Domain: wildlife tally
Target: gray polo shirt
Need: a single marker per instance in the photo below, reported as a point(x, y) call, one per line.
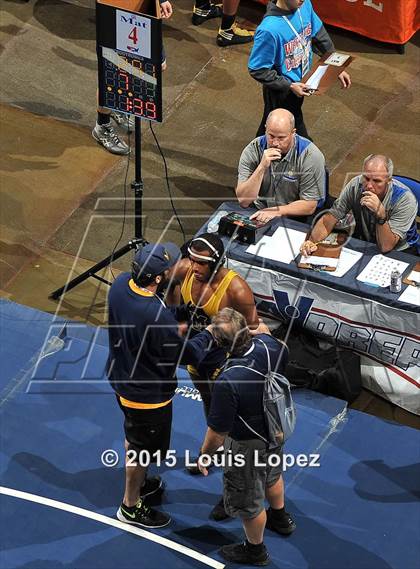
point(299, 175)
point(399, 203)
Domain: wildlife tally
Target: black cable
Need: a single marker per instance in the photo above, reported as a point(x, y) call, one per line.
point(167, 182)
point(125, 201)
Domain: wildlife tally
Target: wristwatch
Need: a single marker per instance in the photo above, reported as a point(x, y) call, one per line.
point(381, 220)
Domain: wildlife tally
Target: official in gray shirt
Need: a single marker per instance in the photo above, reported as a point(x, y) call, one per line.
point(281, 173)
point(384, 210)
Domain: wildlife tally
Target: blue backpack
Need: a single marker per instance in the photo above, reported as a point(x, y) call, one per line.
point(279, 409)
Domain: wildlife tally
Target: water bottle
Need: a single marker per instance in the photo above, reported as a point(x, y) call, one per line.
point(396, 279)
point(213, 224)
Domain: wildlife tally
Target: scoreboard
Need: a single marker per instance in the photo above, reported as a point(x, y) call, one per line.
point(129, 48)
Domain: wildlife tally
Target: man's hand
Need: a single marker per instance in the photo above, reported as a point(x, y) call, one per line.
point(373, 203)
point(262, 328)
point(269, 156)
point(265, 215)
point(204, 471)
point(300, 89)
point(166, 9)
point(345, 80)
point(183, 328)
point(308, 247)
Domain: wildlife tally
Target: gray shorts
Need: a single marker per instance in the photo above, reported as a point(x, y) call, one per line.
point(244, 485)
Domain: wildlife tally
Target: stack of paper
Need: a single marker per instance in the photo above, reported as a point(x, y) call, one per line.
point(282, 246)
point(346, 261)
point(315, 79)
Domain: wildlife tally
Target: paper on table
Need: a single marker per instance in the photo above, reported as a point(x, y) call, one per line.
point(411, 295)
point(347, 259)
point(282, 246)
point(315, 79)
point(343, 264)
point(414, 276)
point(378, 270)
point(319, 261)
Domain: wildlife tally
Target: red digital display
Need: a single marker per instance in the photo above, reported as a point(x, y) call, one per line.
point(131, 86)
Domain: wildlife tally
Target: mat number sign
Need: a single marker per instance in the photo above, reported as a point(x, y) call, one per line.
point(133, 34)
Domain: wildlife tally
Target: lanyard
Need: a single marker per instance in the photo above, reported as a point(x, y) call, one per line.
point(292, 27)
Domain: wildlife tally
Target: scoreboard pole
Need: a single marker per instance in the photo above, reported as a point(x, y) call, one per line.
point(137, 185)
point(126, 42)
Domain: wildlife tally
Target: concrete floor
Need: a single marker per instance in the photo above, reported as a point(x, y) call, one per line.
point(63, 196)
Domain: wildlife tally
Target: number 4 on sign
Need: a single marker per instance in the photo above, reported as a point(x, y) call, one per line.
point(133, 35)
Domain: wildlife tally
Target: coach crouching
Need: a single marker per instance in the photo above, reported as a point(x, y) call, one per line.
point(236, 419)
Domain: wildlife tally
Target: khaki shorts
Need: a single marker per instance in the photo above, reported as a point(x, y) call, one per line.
point(244, 485)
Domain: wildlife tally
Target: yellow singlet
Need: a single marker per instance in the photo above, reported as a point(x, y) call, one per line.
point(212, 305)
point(201, 315)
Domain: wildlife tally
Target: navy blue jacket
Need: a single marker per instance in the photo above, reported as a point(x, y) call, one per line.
point(144, 345)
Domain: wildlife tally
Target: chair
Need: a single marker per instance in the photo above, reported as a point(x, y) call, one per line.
point(329, 200)
point(414, 186)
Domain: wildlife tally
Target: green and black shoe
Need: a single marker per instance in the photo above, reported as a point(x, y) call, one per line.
point(142, 515)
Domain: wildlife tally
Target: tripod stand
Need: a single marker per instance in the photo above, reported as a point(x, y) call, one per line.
point(137, 187)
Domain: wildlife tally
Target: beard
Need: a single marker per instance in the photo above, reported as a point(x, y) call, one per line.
point(161, 287)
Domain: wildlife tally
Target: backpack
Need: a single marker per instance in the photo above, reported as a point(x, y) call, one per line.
point(279, 409)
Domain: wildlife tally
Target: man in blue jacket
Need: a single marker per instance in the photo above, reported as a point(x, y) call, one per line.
point(282, 55)
point(144, 351)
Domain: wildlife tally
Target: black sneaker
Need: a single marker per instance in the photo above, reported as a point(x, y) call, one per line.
point(200, 15)
point(218, 513)
point(234, 36)
point(240, 553)
point(151, 486)
point(142, 515)
point(284, 525)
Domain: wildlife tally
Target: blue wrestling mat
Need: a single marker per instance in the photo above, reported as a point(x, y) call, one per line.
point(356, 507)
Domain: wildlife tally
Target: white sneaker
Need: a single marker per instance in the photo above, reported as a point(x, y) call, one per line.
point(123, 120)
point(106, 135)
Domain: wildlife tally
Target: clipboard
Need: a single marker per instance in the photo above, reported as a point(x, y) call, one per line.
point(329, 248)
point(331, 74)
point(408, 281)
point(327, 251)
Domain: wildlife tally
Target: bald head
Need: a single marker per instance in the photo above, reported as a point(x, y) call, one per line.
point(280, 130)
point(281, 118)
